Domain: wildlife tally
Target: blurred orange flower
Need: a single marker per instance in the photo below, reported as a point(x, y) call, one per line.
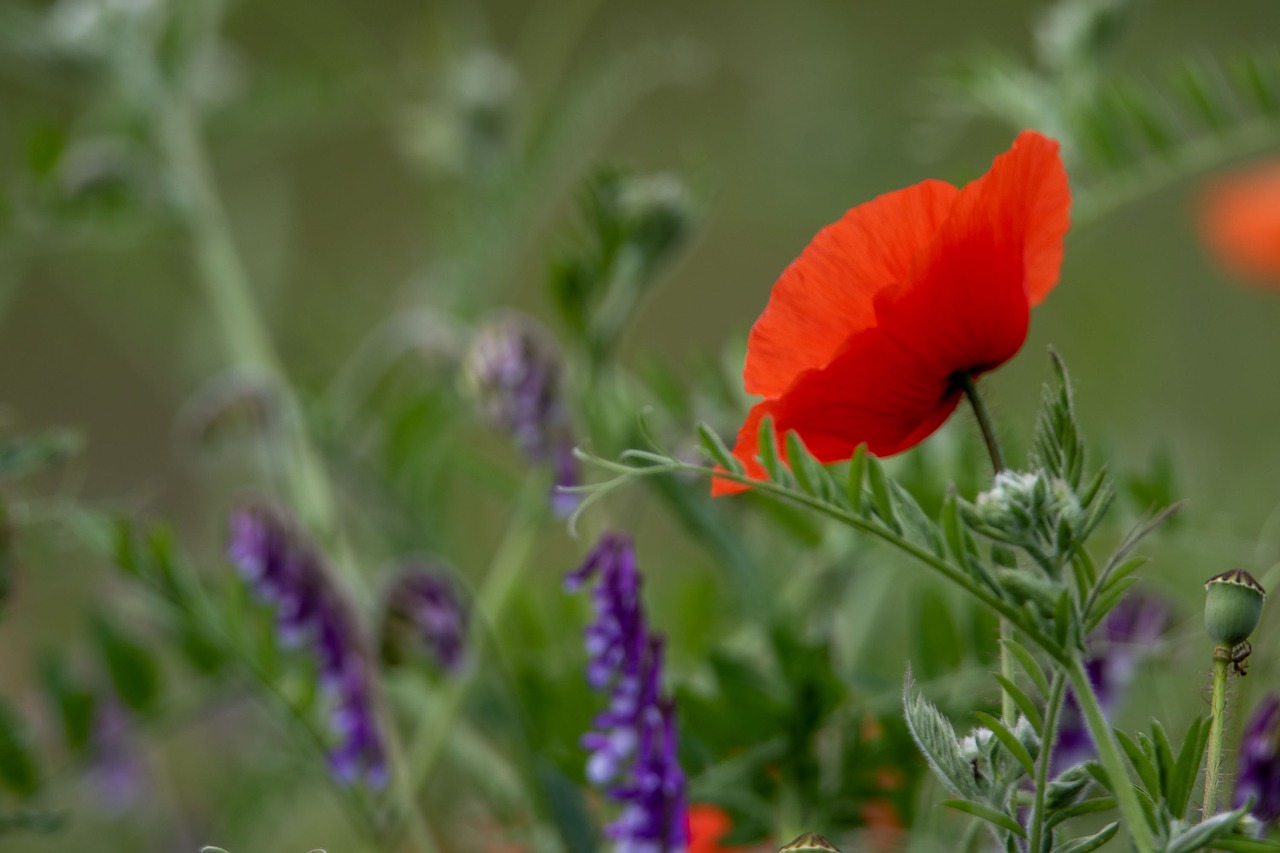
point(867, 332)
point(1240, 222)
point(707, 825)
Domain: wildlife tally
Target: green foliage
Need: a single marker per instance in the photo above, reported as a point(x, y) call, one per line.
point(18, 771)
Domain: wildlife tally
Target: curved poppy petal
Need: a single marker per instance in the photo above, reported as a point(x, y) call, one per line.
point(878, 391)
point(1024, 199)
point(828, 293)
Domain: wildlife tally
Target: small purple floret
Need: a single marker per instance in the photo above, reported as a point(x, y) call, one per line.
point(633, 745)
point(1259, 771)
point(422, 603)
point(284, 570)
point(515, 371)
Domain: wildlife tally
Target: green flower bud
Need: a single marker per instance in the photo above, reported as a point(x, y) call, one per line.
point(1232, 605)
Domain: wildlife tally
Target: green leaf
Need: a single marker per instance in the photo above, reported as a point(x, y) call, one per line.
point(988, 814)
point(1245, 844)
point(1021, 699)
point(857, 476)
point(132, 669)
point(936, 739)
point(881, 495)
point(1163, 756)
point(1028, 663)
point(17, 765)
point(73, 703)
point(769, 456)
point(1090, 842)
point(1190, 756)
point(810, 475)
point(1206, 832)
point(718, 451)
point(1093, 806)
point(1010, 741)
point(1141, 762)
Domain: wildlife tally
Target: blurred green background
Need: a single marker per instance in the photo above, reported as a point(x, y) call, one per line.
point(780, 116)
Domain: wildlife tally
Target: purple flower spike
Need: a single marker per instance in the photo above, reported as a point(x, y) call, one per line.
point(424, 611)
point(633, 745)
point(514, 371)
point(1116, 649)
point(286, 571)
point(1259, 772)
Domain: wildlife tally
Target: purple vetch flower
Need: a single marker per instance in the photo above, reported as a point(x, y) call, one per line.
point(1115, 650)
point(633, 745)
point(1259, 769)
point(515, 372)
point(285, 570)
point(423, 610)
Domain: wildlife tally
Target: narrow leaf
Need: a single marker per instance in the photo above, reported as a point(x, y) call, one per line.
point(769, 456)
point(988, 814)
point(879, 483)
point(1028, 663)
point(1010, 741)
point(1021, 699)
point(1090, 842)
point(1141, 763)
point(1093, 806)
point(718, 451)
point(857, 475)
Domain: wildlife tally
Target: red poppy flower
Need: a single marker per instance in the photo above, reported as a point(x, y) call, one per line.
point(866, 332)
point(707, 825)
point(1240, 221)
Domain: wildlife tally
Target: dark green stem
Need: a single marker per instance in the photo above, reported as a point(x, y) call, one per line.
point(980, 411)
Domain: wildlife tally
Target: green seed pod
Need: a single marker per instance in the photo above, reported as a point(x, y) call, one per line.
point(1232, 605)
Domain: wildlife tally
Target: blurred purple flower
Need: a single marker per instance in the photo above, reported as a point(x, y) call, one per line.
point(515, 372)
point(1116, 648)
point(1259, 771)
point(423, 610)
point(285, 570)
point(117, 772)
point(633, 746)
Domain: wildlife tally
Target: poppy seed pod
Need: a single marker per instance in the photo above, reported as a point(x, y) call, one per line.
point(1233, 602)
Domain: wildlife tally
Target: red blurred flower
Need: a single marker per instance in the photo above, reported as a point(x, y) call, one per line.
point(1240, 221)
point(865, 333)
point(707, 825)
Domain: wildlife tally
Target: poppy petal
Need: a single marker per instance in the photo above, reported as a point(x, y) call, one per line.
point(1240, 220)
point(828, 293)
point(877, 392)
point(1023, 199)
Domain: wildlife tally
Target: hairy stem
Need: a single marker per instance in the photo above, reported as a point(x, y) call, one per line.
point(985, 423)
point(1213, 761)
point(1048, 735)
point(1135, 819)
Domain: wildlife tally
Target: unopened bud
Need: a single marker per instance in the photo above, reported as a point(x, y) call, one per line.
point(1233, 603)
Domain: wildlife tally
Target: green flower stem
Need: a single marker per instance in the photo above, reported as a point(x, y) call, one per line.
point(229, 295)
point(985, 423)
point(1135, 819)
point(1213, 761)
point(1048, 735)
point(426, 746)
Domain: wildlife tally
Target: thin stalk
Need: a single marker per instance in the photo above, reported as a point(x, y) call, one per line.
point(1048, 736)
point(1135, 819)
point(985, 423)
point(1213, 761)
point(244, 335)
